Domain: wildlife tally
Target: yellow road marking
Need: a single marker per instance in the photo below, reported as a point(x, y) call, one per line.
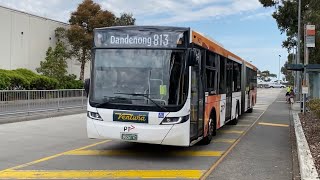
point(53, 156)
point(273, 124)
point(243, 125)
point(131, 153)
point(245, 120)
point(249, 116)
point(224, 140)
point(101, 174)
point(231, 131)
point(213, 167)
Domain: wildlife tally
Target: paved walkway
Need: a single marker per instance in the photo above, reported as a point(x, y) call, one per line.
point(265, 152)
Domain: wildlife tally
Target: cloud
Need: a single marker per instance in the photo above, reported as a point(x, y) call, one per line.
point(180, 11)
point(53, 9)
point(146, 11)
point(258, 16)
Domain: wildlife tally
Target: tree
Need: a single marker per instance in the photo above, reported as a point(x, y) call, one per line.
point(88, 16)
point(287, 20)
point(272, 75)
point(55, 64)
point(287, 73)
point(265, 75)
point(125, 19)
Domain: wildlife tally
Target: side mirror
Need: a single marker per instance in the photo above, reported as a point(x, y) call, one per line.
point(194, 57)
point(87, 86)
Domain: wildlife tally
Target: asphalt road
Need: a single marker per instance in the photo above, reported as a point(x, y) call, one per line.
point(57, 148)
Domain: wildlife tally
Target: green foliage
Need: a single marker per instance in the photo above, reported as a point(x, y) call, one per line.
point(88, 16)
point(26, 79)
point(272, 75)
point(4, 81)
point(70, 82)
point(13, 80)
point(55, 64)
point(288, 74)
point(44, 83)
point(314, 106)
point(124, 20)
point(286, 15)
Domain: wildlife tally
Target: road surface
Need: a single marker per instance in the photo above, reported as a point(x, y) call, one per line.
point(57, 148)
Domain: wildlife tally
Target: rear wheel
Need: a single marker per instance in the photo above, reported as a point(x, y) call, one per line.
point(236, 118)
point(250, 110)
point(211, 132)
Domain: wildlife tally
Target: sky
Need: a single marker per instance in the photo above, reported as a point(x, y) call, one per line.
point(242, 26)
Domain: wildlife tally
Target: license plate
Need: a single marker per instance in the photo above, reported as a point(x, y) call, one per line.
point(129, 137)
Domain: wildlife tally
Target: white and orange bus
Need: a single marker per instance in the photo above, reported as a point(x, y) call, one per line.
point(165, 85)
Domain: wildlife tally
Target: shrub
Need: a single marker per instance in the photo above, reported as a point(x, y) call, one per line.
point(28, 74)
point(17, 81)
point(314, 106)
point(44, 83)
point(4, 81)
point(70, 82)
point(73, 84)
point(26, 79)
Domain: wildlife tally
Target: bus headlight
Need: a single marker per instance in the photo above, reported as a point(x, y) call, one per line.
point(174, 120)
point(94, 115)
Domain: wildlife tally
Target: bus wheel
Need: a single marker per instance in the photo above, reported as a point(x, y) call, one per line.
point(236, 118)
point(250, 110)
point(211, 132)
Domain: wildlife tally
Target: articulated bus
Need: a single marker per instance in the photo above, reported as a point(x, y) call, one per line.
point(165, 85)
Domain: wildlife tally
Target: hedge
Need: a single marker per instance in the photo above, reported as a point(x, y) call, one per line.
point(24, 79)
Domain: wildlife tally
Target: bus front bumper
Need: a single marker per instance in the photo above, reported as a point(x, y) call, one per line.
point(177, 135)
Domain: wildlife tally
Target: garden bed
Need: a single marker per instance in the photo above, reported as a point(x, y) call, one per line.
point(311, 127)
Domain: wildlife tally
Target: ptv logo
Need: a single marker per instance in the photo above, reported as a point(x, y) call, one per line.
point(128, 128)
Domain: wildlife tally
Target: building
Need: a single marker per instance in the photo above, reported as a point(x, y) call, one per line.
point(25, 38)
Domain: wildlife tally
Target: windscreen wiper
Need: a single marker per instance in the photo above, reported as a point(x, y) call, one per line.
point(121, 99)
point(146, 96)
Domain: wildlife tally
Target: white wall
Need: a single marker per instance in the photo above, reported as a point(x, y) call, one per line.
point(25, 38)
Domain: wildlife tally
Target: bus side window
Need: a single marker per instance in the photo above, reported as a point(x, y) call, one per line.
point(236, 77)
point(211, 73)
point(222, 73)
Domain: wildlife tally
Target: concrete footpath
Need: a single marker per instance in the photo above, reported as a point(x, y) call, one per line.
point(265, 152)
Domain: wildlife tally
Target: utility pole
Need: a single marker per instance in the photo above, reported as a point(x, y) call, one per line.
point(279, 68)
point(298, 76)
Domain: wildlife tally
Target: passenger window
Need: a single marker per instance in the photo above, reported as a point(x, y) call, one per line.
point(236, 77)
point(211, 73)
point(222, 73)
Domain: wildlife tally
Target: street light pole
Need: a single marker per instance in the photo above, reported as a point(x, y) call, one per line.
point(298, 82)
point(279, 68)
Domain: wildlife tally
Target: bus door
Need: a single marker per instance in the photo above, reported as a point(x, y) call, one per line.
point(229, 90)
point(197, 104)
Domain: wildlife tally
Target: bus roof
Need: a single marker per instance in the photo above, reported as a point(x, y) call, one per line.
point(206, 42)
point(143, 27)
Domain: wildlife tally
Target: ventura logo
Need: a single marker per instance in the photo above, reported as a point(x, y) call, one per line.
point(138, 117)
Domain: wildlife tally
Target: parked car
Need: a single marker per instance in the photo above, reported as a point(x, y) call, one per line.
point(275, 85)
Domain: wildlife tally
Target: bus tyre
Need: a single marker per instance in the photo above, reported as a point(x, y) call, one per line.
point(236, 118)
point(250, 110)
point(211, 132)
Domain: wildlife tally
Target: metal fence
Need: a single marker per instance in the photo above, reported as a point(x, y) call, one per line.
point(20, 102)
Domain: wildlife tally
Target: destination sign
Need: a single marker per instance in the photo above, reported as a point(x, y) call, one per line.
point(111, 38)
